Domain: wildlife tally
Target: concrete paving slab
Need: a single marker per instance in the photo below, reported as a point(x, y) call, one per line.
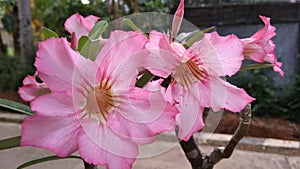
point(171, 159)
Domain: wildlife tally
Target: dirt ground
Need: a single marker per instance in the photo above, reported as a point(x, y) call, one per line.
point(274, 127)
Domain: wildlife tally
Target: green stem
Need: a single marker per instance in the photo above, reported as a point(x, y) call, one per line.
point(147, 77)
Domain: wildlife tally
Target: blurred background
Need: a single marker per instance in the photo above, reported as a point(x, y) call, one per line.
point(276, 97)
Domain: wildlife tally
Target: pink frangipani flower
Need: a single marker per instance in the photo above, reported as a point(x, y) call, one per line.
point(78, 26)
point(196, 74)
point(94, 107)
point(260, 48)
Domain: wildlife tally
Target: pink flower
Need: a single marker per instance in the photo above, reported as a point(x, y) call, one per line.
point(260, 48)
point(196, 76)
point(177, 19)
point(94, 107)
point(31, 89)
point(76, 25)
point(79, 26)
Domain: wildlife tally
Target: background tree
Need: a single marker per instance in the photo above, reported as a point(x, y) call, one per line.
point(25, 32)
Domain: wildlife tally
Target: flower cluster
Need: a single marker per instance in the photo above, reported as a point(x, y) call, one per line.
point(95, 107)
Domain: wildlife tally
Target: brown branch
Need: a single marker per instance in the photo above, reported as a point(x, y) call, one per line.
point(200, 160)
point(192, 152)
point(89, 166)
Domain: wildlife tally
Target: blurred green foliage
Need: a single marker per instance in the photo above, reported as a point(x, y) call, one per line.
point(269, 102)
point(11, 73)
point(53, 13)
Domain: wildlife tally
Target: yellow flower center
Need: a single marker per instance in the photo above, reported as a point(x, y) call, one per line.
point(100, 101)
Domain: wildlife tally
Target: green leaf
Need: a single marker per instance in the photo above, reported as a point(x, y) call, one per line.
point(197, 36)
point(22, 108)
point(256, 66)
point(183, 37)
point(147, 77)
point(45, 159)
point(88, 48)
point(48, 33)
point(10, 143)
point(97, 30)
point(130, 24)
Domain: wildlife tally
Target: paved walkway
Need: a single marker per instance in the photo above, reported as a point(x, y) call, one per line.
point(170, 157)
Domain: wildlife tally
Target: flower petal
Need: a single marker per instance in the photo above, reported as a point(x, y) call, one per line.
point(121, 58)
point(162, 59)
point(190, 119)
point(79, 26)
point(143, 116)
point(177, 19)
point(84, 81)
point(99, 145)
point(58, 134)
point(121, 45)
point(260, 48)
point(31, 89)
point(267, 32)
point(55, 63)
point(221, 55)
point(225, 95)
point(53, 104)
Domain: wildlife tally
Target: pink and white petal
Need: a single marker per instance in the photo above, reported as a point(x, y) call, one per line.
point(271, 58)
point(30, 92)
point(74, 42)
point(225, 95)
point(161, 63)
point(162, 59)
point(142, 133)
point(122, 75)
point(177, 19)
point(55, 63)
point(267, 32)
point(91, 21)
point(84, 81)
point(254, 51)
point(139, 133)
point(147, 111)
point(173, 93)
point(178, 48)
point(31, 89)
point(54, 104)
point(74, 25)
point(158, 40)
point(154, 86)
point(277, 68)
point(190, 119)
point(28, 80)
point(205, 89)
point(121, 45)
point(121, 58)
point(221, 55)
point(57, 134)
point(99, 145)
point(79, 25)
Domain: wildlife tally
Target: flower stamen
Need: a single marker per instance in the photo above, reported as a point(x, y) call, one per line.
point(188, 73)
point(100, 101)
